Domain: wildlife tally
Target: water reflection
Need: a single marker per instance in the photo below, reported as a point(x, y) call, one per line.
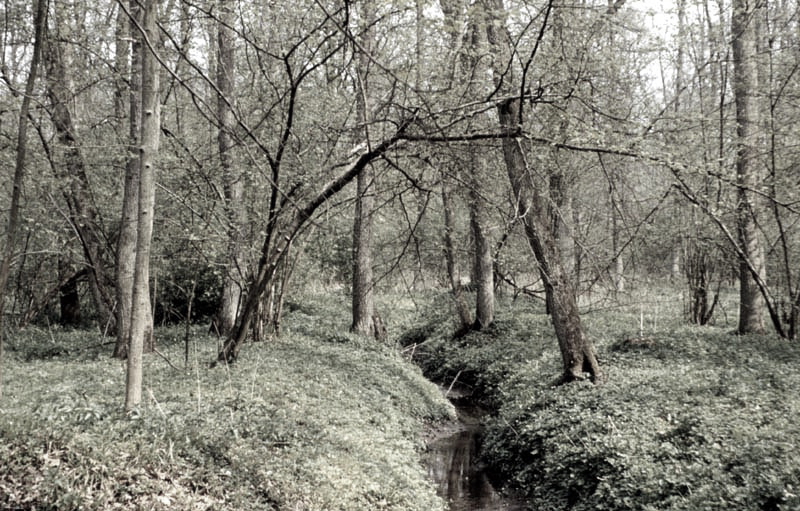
point(453, 465)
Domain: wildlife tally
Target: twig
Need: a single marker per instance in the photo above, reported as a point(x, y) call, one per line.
point(452, 383)
point(168, 360)
point(158, 405)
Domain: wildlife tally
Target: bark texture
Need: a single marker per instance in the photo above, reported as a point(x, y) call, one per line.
point(126, 243)
point(752, 267)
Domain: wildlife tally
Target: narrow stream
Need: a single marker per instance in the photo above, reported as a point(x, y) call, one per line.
point(453, 464)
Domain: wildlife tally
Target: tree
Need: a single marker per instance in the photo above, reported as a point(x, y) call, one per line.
point(39, 24)
point(465, 320)
point(126, 244)
point(233, 180)
point(577, 350)
point(365, 320)
point(752, 266)
point(469, 68)
point(272, 256)
point(83, 214)
point(141, 321)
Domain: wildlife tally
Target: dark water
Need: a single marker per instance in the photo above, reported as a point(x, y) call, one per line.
point(453, 465)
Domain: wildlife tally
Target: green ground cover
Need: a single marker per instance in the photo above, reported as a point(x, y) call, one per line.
point(318, 420)
point(690, 417)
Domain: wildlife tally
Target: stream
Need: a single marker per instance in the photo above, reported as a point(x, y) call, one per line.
point(453, 464)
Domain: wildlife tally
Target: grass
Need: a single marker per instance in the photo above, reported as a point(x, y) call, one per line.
point(694, 418)
point(318, 420)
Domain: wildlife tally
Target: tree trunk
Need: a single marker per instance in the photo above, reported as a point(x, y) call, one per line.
point(40, 23)
point(141, 318)
point(83, 214)
point(126, 244)
point(745, 87)
point(273, 254)
point(577, 350)
point(363, 301)
point(464, 316)
point(68, 297)
point(483, 259)
point(233, 184)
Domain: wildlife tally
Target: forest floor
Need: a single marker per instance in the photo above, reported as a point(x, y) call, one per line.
point(316, 420)
point(689, 418)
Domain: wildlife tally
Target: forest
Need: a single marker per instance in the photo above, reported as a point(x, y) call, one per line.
point(251, 248)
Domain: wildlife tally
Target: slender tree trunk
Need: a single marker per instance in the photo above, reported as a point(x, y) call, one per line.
point(141, 319)
point(40, 23)
point(233, 184)
point(363, 300)
point(363, 297)
point(126, 244)
point(464, 316)
point(745, 86)
point(483, 259)
point(618, 270)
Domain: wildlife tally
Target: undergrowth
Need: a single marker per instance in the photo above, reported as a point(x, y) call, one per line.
point(690, 417)
point(315, 420)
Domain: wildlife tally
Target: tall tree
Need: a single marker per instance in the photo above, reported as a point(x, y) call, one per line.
point(39, 24)
point(233, 180)
point(363, 299)
point(127, 29)
point(141, 321)
point(752, 265)
point(76, 189)
point(470, 68)
point(577, 350)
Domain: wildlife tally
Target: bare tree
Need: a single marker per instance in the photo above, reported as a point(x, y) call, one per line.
point(577, 350)
point(141, 319)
